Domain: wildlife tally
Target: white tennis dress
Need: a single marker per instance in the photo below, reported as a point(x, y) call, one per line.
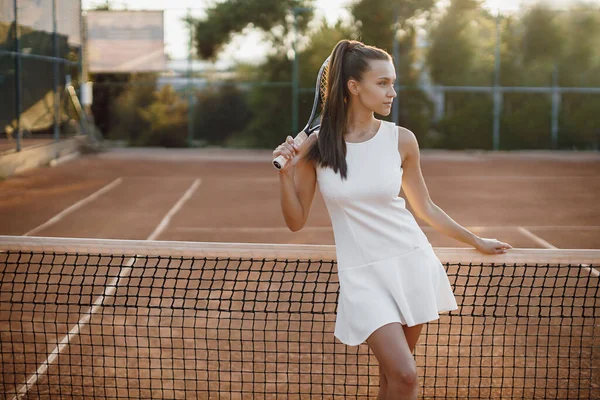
point(387, 269)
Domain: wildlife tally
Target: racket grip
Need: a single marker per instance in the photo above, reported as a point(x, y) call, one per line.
point(280, 161)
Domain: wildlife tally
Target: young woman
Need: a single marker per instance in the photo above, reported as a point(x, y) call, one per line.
point(391, 281)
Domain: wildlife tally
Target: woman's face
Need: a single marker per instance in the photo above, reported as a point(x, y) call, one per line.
point(375, 90)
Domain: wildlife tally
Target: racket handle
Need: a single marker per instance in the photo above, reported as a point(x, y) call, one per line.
point(280, 161)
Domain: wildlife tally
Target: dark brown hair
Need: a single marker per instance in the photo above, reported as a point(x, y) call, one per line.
point(349, 60)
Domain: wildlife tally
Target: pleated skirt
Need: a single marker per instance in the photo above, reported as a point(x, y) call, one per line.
point(412, 289)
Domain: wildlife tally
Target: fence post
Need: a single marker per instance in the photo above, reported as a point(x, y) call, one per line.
point(497, 93)
point(17, 76)
point(56, 130)
point(190, 90)
point(439, 104)
point(83, 73)
point(556, 98)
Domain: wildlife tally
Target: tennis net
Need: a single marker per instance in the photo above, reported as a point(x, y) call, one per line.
point(111, 319)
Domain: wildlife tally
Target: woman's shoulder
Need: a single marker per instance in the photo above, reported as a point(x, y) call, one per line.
point(390, 125)
point(408, 144)
point(389, 128)
point(405, 133)
point(401, 132)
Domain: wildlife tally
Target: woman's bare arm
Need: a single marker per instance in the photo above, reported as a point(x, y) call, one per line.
point(417, 194)
point(298, 188)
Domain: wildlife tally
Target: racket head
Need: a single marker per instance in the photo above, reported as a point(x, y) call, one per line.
point(314, 121)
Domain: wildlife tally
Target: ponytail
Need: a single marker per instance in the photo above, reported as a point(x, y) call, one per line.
point(349, 60)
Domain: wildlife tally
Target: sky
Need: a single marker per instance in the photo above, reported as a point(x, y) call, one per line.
point(245, 47)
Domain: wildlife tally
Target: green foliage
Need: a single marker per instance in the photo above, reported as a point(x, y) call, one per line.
point(377, 23)
point(468, 122)
point(231, 16)
point(220, 113)
point(461, 53)
point(144, 116)
point(458, 55)
point(543, 40)
point(416, 112)
point(106, 6)
point(526, 121)
point(167, 120)
point(271, 104)
point(311, 58)
point(271, 107)
point(106, 90)
point(376, 19)
point(321, 43)
point(579, 127)
point(536, 48)
point(579, 64)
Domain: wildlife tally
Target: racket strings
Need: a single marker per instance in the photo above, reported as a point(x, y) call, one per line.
point(323, 85)
point(322, 94)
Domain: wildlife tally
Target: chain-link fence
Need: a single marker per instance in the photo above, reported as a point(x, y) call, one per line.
point(473, 78)
point(40, 59)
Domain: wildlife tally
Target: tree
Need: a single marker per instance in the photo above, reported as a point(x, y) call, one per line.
point(579, 64)
point(535, 45)
point(376, 19)
point(226, 18)
point(271, 104)
point(375, 24)
point(453, 44)
point(166, 117)
point(543, 41)
point(379, 23)
point(220, 113)
point(106, 6)
point(461, 53)
point(121, 104)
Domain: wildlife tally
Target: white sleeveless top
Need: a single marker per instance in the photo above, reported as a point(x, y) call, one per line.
point(387, 269)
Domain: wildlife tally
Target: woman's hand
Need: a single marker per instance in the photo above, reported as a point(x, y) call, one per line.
point(288, 149)
point(492, 246)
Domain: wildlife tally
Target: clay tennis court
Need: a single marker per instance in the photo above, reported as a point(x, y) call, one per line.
point(532, 199)
point(538, 199)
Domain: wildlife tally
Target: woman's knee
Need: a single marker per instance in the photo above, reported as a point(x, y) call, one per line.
point(403, 375)
point(391, 349)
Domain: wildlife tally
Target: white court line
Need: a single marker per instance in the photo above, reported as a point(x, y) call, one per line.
point(561, 227)
point(521, 229)
point(536, 227)
point(329, 228)
point(593, 271)
point(474, 228)
point(109, 290)
point(548, 245)
point(508, 177)
point(76, 206)
point(43, 368)
point(536, 238)
point(165, 222)
point(258, 229)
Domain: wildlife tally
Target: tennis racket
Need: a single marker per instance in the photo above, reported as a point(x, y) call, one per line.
point(314, 121)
